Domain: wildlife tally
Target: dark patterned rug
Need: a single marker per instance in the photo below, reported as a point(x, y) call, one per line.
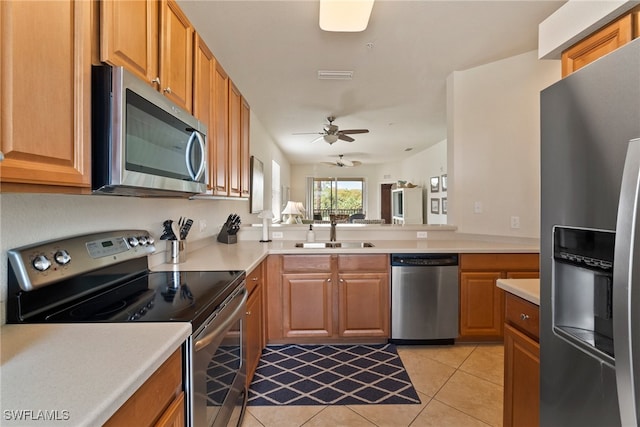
point(331, 375)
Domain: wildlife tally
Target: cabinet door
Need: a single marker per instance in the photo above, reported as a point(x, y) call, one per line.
point(176, 55)
point(254, 331)
point(45, 95)
point(307, 305)
point(129, 36)
point(204, 66)
point(598, 44)
point(521, 379)
point(235, 144)
point(481, 305)
point(219, 135)
point(245, 154)
point(364, 304)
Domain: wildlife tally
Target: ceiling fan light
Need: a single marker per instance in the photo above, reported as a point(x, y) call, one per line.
point(331, 138)
point(345, 15)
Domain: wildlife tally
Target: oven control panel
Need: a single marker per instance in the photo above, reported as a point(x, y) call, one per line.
point(46, 263)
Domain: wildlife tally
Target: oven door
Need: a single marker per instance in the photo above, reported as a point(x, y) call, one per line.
point(218, 361)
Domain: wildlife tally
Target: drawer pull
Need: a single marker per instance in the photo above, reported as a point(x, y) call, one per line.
point(524, 316)
point(255, 279)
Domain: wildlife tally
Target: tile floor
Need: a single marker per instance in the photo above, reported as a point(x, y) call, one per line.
point(458, 385)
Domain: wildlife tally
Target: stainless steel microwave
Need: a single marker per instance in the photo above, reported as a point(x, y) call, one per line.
point(142, 143)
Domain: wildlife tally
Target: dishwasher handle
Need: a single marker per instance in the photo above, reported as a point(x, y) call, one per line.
point(424, 260)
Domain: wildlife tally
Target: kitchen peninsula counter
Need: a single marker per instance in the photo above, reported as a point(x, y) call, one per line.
point(78, 374)
point(527, 289)
point(247, 254)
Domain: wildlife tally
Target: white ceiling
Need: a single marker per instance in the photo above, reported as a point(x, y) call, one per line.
point(272, 50)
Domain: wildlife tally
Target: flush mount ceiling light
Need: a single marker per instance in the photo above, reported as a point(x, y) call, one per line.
point(335, 75)
point(345, 15)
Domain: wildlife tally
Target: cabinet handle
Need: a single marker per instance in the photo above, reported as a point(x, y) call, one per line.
point(524, 316)
point(328, 280)
point(248, 313)
point(255, 279)
point(167, 90)
point(341, 280)
point(156, 81)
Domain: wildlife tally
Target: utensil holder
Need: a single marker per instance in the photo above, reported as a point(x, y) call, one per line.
point(176, 251)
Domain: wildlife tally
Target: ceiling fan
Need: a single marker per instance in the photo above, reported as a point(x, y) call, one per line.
point(331, 133)
point(343, 163)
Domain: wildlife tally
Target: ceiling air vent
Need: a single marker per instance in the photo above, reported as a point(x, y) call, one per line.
point(335, 75)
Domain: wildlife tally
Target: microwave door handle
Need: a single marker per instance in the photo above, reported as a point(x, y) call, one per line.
point(187, 156)
point(203, 158)
point(238, 308)
point(626, 289)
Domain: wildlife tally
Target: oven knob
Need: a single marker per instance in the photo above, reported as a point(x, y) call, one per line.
point(142, 240)
point(62, 257)
point(150, 240)
point(133, 241)
point(41, 263)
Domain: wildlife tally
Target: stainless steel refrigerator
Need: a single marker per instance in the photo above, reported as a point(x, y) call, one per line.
point(590, 245)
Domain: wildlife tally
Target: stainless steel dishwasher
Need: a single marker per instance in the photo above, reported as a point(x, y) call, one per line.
point(424, 298)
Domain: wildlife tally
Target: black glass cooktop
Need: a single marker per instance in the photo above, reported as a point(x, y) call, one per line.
point(150, 297)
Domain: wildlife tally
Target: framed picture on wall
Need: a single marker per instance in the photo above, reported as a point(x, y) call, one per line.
point(435, 206)
point(435, 184)
point(443, 180)
point(444, 205)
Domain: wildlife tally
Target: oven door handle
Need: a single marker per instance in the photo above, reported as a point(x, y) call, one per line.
point(237, 304)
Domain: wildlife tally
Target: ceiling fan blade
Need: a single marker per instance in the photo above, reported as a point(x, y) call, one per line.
point(308, 133)
point(354, 131)
point(329, 163)
point(345, 138)
point(356, 163)
point(320, 138)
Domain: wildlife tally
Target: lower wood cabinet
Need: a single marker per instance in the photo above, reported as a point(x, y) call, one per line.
point(481, 301)
point(521, 364)
point(328, 298)
point(255, 338)
point(158, 402)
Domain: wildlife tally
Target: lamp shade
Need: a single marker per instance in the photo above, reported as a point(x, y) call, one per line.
point(291, 209)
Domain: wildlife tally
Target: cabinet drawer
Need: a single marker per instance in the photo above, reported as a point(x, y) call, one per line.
point(254, 278)
point(499, 262)
point(523, 315)
point(370, 263)
point(306, 263)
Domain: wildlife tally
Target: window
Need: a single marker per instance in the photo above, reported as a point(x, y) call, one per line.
point(341, 197)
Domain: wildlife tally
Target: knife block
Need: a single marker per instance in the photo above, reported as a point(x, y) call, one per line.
point(225, 237)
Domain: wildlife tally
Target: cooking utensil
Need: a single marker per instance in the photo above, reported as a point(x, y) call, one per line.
point(175, 229)
point(186, 226)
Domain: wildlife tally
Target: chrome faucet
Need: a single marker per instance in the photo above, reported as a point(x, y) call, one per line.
point(332, 234)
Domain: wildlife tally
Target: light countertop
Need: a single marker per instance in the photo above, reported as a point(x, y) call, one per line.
point(247, 254)
point(80, 374)
point(528, 289)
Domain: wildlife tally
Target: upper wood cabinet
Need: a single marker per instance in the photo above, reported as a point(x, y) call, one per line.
point(45, 62)
point(219, 135)
point(129, 36)
point(153, 40)
point(176, 55)
point(235, 141)
point(245, 155)
point(603, 41)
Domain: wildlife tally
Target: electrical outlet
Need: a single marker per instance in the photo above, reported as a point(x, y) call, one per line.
point(421, 235)
point(277, 235)
point(515, 222)
point(202, 224)
point(477, 207)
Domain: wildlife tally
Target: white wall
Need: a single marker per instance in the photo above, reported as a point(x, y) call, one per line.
point(494, 144)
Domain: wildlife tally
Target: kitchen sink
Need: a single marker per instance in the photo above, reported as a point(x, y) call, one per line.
point(325, 245)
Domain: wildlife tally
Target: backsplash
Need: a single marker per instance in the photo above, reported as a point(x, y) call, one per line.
point(32, 218)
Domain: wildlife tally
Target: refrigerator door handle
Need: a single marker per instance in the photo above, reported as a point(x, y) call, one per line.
point(626, 289)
